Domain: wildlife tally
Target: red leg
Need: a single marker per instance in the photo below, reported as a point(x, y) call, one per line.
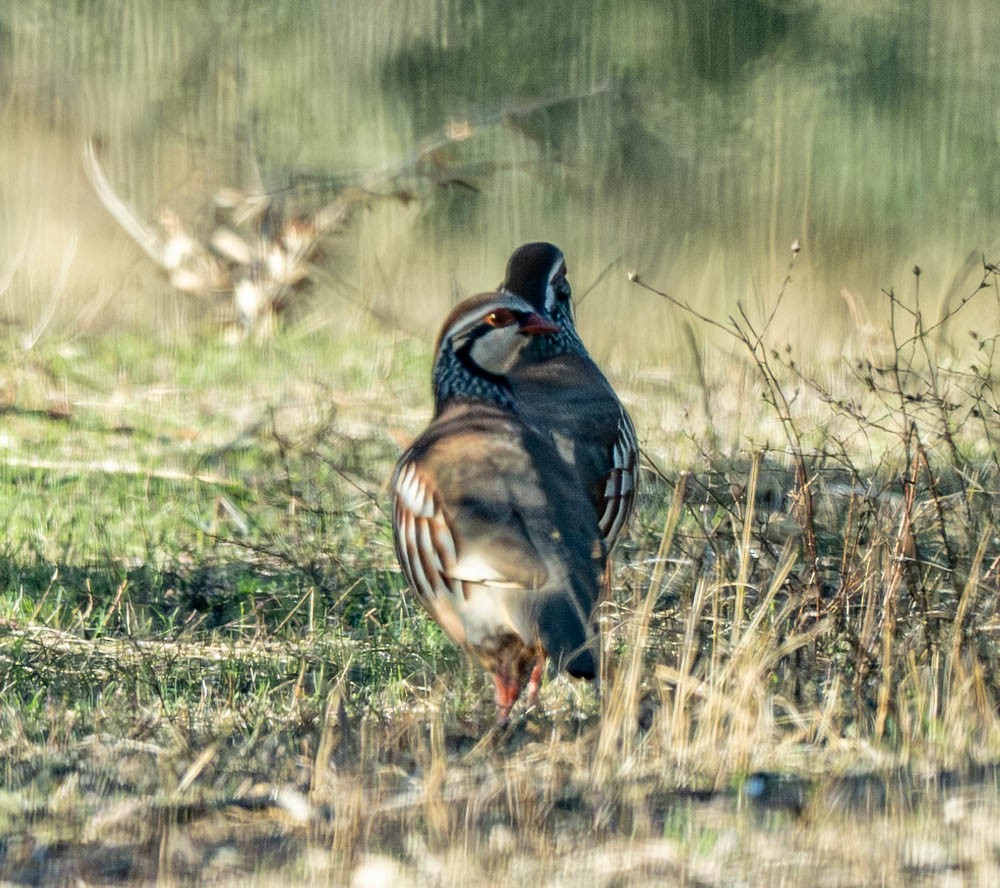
point(535, 680)
point(507, 692)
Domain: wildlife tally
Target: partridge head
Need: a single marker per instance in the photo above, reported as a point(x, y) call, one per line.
point(562, 392)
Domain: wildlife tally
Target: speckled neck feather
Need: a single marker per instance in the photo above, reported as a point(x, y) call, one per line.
point(456, 375)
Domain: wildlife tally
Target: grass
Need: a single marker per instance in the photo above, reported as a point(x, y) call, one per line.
point(211, 669)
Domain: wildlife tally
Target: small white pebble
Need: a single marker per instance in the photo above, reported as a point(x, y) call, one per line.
point(502, 839)
point(379, 871)
point(954, 810)
point(294, 803)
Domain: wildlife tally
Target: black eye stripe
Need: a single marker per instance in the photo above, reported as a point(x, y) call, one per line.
point(561, 287)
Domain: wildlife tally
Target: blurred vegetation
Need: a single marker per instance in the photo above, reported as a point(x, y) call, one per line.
point(693, 141)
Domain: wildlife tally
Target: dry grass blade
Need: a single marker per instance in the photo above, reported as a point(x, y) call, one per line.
point(195, 769)
point(113, 466)
point(618, 725)
point(966, 603)
point(746, 543)
point(58, 291)
point(109, 653)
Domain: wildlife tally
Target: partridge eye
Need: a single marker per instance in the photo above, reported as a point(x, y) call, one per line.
point(502, 317)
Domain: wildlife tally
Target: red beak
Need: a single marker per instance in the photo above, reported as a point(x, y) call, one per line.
point(536, 325)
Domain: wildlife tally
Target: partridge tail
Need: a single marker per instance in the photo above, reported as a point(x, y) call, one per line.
point(582, 664)
point(566, 636)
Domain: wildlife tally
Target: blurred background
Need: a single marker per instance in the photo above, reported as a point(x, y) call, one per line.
point(692, 141)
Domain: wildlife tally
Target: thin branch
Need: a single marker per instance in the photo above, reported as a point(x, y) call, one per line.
point(633, 276)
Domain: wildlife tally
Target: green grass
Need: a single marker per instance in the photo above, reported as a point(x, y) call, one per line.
point(207, 648)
